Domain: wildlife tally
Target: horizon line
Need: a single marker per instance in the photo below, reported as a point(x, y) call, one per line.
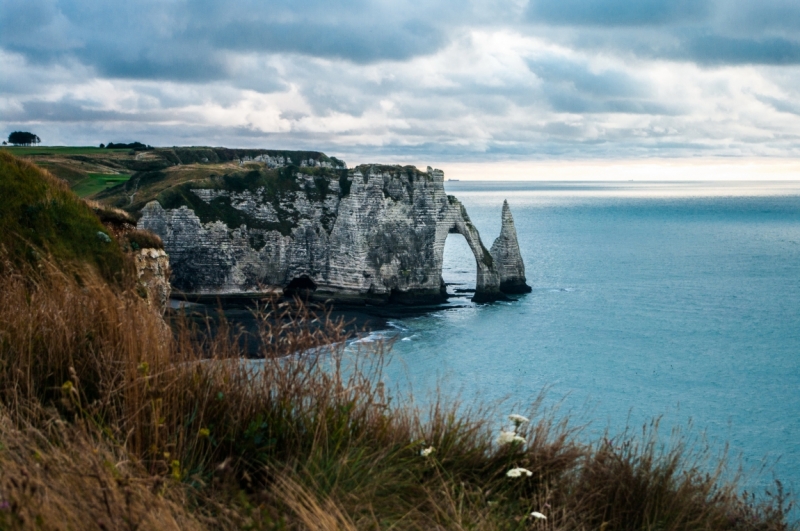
point(667, 169)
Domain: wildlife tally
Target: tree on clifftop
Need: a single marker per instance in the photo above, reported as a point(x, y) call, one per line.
point(21, 138)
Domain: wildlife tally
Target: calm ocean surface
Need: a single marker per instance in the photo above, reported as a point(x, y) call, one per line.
point(679, 300)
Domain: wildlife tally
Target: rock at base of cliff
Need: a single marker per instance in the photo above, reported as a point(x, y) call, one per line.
point(515, 287)
point(489, 296)
point(418, 296)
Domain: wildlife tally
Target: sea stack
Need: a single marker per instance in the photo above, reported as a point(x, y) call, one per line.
point(505, 251)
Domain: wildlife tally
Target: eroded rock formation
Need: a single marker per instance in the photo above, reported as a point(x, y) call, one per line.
point(505, 251)
point(153, 272)
point(372, 234)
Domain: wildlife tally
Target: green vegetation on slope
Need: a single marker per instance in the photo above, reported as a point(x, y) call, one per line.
point(66, 172)
point(86, 170)
point(270, 185)
point(41, 216)
point(98, 173)
point(96, 182)
point(172, 188)
point(22, 151)
point(217, 155)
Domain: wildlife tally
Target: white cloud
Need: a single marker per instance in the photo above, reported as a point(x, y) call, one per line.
point(494, 91)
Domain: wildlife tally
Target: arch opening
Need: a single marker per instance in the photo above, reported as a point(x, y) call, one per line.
point(459, 268)
point(301, 286)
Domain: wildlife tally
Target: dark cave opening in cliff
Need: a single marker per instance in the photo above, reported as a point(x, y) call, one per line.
point(301, 286)
point(459, 270)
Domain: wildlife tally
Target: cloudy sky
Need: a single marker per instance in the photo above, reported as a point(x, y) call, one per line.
point(470, 81)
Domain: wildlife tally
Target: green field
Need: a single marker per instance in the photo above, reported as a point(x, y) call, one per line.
point(98, 181)
point(25, 151)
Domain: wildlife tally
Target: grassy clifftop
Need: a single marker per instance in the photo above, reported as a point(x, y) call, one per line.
point(129, 179)
point(40, 216)
point(164, 184)
point(89, 170)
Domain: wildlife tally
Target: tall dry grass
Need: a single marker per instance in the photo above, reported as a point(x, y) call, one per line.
point(117, 420)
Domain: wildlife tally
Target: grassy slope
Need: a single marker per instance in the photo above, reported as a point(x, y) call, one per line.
point(87, 170)
point(26, 151)
point(40, 212)
point(172, 188)
point(90, 170)
point(97, 182)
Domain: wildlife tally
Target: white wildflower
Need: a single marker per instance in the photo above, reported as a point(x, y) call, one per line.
point(537, 514)
point(518, 419)
point(518, 439)
point(518, 472)
point(427, 451)
point(506, 437)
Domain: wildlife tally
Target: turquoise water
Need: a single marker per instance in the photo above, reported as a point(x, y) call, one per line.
point(649, 299)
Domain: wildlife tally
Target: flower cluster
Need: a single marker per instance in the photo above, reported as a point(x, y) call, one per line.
point(508, 437)
point(518, 419)
point(427, 451)
point(511, 437)
point(519, 472)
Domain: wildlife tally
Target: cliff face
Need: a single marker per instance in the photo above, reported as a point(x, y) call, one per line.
point(370, 234)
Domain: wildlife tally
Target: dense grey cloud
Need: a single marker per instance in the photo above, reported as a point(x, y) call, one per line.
point(71, 111)
point(573, 88)
point(465, 80)
point(186, 40)
point(720, 50)
point(617, 12)
point(782, 105)
point(710, 32)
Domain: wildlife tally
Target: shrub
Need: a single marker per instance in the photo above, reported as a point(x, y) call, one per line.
point(133, 146)
point(23, 138)
point(107, 214)
point(143, 239)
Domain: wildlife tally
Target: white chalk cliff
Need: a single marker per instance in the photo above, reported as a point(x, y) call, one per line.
point(371, 234)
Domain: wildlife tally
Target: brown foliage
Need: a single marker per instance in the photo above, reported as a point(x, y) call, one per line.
point(57, 478)
point(143, 239)
point(109, 418)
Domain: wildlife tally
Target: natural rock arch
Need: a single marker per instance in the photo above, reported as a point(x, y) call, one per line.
point(498, 271)
point(455, 220)
point(459, 268)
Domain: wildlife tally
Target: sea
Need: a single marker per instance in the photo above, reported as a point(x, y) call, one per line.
point(670, 301)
